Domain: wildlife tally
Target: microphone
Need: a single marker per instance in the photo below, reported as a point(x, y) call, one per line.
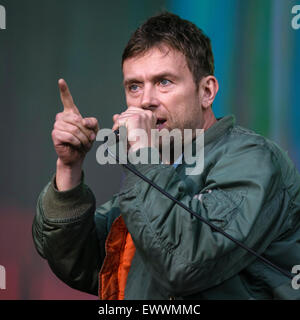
point(117, 135)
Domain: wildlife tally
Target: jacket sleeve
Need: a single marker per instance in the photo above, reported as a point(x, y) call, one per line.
point(242, 194)
point(65, 234)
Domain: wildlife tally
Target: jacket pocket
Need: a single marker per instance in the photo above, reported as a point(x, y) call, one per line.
point(222, 206)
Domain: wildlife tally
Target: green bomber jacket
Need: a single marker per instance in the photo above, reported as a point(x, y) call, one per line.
point(249, 187)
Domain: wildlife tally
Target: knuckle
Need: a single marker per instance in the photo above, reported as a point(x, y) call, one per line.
point(58, 116)
point(87, 122)
point(75, 131)
point(56, 124)
point(75, 141)
point(71, 139)
point(91, 122)
point(95, 122)
point(75, 118)
point(55, 135)
point(54, 132)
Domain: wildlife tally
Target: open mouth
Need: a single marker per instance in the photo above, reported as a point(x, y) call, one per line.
point(160, 123)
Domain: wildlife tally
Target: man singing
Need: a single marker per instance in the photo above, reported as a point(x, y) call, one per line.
point(142, 245)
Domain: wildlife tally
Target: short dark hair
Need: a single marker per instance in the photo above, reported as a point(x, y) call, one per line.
point(182, 35)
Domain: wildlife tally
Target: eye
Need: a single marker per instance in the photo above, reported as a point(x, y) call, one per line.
point(164, 82)
point(133, 88)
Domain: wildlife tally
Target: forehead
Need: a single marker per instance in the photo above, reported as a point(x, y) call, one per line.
point(155, 60)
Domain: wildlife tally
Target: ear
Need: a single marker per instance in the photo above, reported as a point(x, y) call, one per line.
point(208, 88)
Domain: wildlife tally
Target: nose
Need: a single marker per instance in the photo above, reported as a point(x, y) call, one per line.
point(149, 100)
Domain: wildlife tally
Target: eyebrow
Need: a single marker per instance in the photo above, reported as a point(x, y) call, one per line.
point(162, 75)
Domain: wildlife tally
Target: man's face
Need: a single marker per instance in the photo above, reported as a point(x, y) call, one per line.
point(161, 81)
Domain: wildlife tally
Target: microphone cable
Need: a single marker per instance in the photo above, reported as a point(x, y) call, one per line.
point(182, 205)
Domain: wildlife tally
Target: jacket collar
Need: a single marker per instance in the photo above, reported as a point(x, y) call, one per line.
point(218, 129)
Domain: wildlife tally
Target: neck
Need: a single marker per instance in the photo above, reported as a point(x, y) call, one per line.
point(209, 119)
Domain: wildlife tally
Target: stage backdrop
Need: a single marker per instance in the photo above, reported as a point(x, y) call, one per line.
point(257, 64)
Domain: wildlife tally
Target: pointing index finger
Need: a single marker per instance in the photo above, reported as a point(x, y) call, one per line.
point(66, 97)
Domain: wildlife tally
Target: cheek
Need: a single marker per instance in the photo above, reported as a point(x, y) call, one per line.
point(128, 100)
point(132, 100)
point(185, 111)
point(179, 106)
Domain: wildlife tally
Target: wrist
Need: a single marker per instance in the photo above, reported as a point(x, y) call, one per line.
point(67, 176)
point(69, 167)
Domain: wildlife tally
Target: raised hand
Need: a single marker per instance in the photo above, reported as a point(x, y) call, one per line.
point(72, 137)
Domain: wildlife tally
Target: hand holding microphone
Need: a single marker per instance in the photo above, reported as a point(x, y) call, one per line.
point(135, 118)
